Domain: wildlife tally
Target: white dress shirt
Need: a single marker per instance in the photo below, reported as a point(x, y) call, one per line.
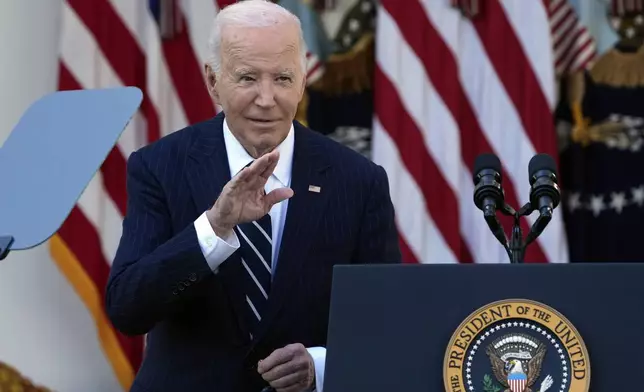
point(216, 250)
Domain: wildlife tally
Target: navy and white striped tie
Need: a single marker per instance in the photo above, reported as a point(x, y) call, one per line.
point(256, 249)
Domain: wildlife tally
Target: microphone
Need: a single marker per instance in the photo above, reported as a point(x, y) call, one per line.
point(545, 194)
point(488, 192)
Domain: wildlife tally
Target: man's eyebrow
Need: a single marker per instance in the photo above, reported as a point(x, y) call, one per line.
point(287, 71)
point(243, 71)
point(250, 71)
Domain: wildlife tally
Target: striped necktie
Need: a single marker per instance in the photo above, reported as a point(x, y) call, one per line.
point(256, 249)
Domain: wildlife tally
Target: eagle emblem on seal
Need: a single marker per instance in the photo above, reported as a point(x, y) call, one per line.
point(516, 362)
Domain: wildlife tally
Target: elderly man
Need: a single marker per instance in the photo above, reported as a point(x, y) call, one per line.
point(234, 224)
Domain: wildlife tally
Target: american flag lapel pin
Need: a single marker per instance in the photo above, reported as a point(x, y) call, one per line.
point(314, 188)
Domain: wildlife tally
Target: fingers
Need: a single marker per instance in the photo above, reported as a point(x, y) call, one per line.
point(277, 195)
point(261, 169)
point(290, 383)
point(277, 357)
point(264, 165)
point(242, 177)
point(287, 380)
point(273, 158)
point(280, 375)
point(289, 369)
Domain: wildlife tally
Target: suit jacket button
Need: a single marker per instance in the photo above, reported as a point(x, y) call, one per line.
point(193, 277)
point(175, 292)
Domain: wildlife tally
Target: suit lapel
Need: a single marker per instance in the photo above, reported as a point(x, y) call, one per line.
point(208, 172)
point(302, 218)
point(208, 169)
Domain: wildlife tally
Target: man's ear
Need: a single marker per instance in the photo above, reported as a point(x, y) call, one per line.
point(303, 87)
point(211, 82)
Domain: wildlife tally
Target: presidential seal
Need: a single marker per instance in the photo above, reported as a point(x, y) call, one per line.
point(516, 346)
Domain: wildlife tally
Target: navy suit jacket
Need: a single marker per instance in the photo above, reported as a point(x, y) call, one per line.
point(160, 282)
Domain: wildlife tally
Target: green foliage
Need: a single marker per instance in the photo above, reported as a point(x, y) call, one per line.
point(489, 385)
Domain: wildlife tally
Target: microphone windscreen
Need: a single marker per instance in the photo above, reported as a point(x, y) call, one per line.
point(486, 161)
point(541, 162)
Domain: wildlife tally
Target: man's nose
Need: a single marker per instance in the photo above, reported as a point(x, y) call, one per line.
point(265, 95)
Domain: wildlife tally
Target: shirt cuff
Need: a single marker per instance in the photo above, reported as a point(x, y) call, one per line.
point(215, 250)
point(319, 359)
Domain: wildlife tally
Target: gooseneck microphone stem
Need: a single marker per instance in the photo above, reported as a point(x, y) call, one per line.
point(517, 247)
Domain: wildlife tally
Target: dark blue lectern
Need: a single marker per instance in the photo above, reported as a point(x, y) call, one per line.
point(488, 328)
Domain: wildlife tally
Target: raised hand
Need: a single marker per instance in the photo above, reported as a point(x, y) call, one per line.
point(243, 198)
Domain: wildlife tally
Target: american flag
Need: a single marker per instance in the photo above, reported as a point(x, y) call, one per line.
point(574, 47)
point(159, 46)
point(450, 85)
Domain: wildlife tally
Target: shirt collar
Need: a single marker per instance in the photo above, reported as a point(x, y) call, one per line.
point(238, 157)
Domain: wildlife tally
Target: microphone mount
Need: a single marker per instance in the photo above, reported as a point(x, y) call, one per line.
point(516, 245)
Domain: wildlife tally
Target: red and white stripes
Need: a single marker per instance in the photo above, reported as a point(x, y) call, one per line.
point(574, 47)
point(447, 89)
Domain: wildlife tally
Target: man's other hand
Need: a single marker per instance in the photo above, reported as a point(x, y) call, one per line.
point(243, 198)
point(288, 369)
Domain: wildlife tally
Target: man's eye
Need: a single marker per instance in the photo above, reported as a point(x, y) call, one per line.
point(246, 78)
point(284, 78)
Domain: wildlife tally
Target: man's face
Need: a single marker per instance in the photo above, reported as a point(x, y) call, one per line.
point(260, 85)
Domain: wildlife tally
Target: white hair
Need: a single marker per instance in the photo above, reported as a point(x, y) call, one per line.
point(251, 13)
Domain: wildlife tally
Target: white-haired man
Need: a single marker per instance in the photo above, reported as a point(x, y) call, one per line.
point(234, 224)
